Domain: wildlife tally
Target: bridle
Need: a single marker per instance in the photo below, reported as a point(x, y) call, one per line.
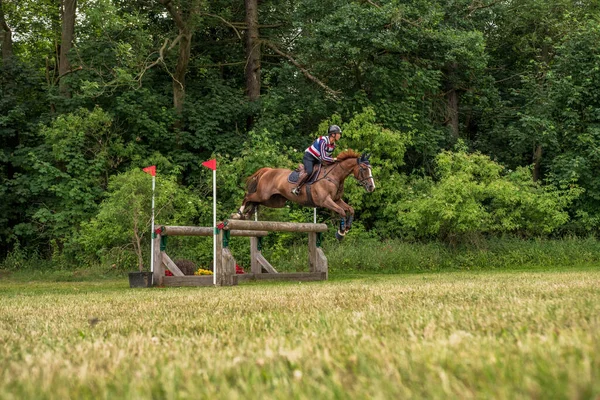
point(361, 168)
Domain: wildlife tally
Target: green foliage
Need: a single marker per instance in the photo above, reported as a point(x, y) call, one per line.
point(70, 171)
point(124, 217)
point(371, 255)
point(526, 81)
point(472, 196)
point(387, 147)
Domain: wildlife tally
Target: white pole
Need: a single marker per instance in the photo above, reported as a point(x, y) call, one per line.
point(315, 215)
point(152, 232)
point(215, 227)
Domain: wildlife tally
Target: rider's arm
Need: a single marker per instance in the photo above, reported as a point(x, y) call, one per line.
point(324, 156)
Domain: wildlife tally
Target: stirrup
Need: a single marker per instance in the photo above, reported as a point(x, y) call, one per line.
point(296, 190)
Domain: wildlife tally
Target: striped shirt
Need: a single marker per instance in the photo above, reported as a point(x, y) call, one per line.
point(321, 149)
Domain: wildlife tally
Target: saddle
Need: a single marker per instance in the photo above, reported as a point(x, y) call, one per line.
point(294, 176)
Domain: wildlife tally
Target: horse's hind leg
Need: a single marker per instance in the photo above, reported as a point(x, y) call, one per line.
point(246, 209)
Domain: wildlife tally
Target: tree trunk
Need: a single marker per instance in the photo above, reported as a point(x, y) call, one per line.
point(453, 112)
point(537, 160)
point(68, 12)
point(6, 36)
point(252, 51)
point(253, 55)
point(452, 98)
point(185, 43)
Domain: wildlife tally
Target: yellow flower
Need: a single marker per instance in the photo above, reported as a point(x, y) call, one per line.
point(202, 271)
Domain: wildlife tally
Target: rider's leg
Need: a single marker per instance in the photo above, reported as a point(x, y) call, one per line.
point(308, 162)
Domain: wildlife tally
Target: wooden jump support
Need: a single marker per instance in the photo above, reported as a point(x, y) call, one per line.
point(225, 265)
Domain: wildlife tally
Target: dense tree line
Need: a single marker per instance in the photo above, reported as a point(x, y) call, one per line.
point(483, 116)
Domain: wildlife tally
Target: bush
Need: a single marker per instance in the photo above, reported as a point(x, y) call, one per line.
point(124, 218)
point(473, 196)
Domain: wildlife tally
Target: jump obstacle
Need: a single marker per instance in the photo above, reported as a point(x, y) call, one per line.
point(225, 265)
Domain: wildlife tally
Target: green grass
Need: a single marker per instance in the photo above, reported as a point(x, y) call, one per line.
point(483, 334)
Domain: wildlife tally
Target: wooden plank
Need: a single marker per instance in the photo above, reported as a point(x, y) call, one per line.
point(195, 280)
point(284, 276)
point(265, 264)
point(274, 226)
point(171, 265)
point(173, 230)
point(159, 270)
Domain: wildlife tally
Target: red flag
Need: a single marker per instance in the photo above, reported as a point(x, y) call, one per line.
point(150, 170)
point(212, 164)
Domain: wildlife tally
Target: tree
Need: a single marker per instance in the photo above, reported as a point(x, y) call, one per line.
point(184, 15)
point(68, 12)
point(5, 35)
point(252, 51)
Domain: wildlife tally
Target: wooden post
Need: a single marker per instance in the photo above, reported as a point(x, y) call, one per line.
point(159, 270)
point(255, 267)
point(218, 267)
point(228, 265)
point(313, 263)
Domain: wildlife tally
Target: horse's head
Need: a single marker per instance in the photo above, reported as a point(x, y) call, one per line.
point(363, 173)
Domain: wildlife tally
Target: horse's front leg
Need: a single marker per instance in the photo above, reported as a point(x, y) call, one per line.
point(334, 206)
point(349, 213)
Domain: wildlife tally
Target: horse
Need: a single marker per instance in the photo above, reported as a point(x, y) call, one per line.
point(270, 187)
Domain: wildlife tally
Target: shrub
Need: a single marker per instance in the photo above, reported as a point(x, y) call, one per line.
point(473, 195)
point(124, 217)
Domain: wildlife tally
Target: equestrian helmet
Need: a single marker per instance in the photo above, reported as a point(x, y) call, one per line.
point(334, 129)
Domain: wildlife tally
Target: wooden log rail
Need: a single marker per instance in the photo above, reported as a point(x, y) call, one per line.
point(273, 226)
point(207, 231)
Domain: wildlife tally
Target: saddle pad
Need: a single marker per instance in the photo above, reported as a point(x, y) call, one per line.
point(293, 177)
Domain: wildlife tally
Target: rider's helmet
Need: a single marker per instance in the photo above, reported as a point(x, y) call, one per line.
point(334, 129)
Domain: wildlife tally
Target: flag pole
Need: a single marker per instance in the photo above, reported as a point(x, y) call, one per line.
point(215, 237)
point(152, 232)
point(212, 164)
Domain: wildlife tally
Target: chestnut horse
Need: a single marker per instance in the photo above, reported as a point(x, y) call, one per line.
point(270, 187)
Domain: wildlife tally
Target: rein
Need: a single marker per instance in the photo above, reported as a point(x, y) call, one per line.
point(363, 182)
point(327, 172)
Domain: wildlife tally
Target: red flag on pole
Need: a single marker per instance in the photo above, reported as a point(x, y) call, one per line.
point(212, 164)
point(150, 170)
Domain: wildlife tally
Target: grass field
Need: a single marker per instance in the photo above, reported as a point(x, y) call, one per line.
point(436, 335)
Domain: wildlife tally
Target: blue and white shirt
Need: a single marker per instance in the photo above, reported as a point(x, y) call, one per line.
point(321, 149)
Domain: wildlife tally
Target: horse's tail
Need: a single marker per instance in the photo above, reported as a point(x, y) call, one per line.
point(252, 180)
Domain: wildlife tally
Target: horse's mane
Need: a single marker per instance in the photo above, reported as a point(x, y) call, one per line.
point(347, 154)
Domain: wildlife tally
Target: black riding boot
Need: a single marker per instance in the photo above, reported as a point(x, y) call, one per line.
point(301, 181)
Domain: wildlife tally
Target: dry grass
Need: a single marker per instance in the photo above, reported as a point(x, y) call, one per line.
point(468, 335)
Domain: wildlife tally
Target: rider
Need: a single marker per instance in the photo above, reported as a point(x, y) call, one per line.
point(318, 152)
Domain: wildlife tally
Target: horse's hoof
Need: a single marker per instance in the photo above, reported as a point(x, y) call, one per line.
point(339, 235)
point(235, 216)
